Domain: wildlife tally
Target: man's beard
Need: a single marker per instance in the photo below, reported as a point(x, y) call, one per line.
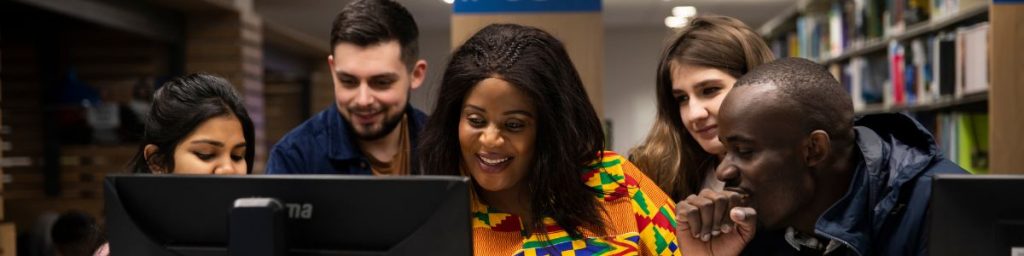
point(387, 126)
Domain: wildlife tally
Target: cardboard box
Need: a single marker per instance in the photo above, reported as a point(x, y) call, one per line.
point(7, 242)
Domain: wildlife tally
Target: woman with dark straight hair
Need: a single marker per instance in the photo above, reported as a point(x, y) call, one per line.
point(197, 124)
point(513, 115)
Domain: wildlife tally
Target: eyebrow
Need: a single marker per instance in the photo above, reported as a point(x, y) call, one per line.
point(211, 142)
point(510, 112)
point(377, 76)
point(699, 85)
point(707, 83)
point(737, 138)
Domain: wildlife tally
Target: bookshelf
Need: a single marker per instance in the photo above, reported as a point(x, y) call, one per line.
point(903, 54)
point(977, 102)
point(913, 31)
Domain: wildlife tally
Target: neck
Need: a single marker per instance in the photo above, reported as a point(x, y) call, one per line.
point(509, 201)
point(832, 182)
point(384, 148)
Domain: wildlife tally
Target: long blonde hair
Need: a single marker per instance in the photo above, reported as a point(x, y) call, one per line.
point(669, 155)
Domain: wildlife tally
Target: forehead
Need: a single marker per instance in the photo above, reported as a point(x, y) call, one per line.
point(371, 59)
point(495, 93)
point(224, 128)
point(686, 75)
point(759, 112)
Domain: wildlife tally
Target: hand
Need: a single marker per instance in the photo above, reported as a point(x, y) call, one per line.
point(714, 223)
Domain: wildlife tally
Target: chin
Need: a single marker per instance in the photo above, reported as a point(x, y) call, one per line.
point(713, 148)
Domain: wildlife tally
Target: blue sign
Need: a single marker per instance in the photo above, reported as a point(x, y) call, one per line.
point(999, 1)
point(498, 6)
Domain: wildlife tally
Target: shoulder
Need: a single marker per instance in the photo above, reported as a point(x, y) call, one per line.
point(303, 140)
point(419, 118)
point(652, 209)
point(309, 130)
point(616, 176)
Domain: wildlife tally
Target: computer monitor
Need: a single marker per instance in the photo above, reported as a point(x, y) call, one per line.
point(977, 215)
point(326, 214)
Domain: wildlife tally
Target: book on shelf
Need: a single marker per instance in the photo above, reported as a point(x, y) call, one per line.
point(847, 25)
point(972, 48)
point(923, 70)
point(963, 138)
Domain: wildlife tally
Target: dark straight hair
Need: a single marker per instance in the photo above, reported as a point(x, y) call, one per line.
point(537, 65)
point(179, 106)
point(370, 22)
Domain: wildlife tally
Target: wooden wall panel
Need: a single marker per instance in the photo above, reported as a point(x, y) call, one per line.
point(1006, 121)
point(582, 34)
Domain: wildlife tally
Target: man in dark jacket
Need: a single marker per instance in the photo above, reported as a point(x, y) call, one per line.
point(816, 181)
point(371, 128)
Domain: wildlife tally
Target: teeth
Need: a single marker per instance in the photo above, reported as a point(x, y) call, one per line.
point(493, 161)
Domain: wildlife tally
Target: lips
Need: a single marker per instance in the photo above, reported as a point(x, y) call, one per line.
point(492, 162)
point(366, 118)
point(744, 194)
point(708, 132)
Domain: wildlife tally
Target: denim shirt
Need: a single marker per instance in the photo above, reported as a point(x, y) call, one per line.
point(325, 144)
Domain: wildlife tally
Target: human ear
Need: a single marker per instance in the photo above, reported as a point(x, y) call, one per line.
point(419, 73)
point(818, 147)
point(149, 154)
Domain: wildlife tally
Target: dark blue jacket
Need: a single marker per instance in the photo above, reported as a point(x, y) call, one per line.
point(885, 210)
point(324, 144)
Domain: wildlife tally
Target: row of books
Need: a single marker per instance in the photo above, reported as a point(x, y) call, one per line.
point(920, 71)
point(963, 138)
point(848, 24)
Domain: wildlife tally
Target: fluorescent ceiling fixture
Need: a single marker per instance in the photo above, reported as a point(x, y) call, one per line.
point(448, 1)
point(684, 11)
point(676, 22)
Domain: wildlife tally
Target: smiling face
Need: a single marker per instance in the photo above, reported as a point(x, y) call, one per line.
point(216, 146)
point(497, 131)
point(371, 86)
point(699, 92)
point(763, 157)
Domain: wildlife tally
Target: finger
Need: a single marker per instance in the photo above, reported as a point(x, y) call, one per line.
point(691, 214)
point(707, 212)
point(735, 200)
point(683, 224)
point(721, 211)
point(745, 219)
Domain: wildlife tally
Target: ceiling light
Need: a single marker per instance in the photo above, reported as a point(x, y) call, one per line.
point(676, 22)
point(448, 1)
point(684, 11)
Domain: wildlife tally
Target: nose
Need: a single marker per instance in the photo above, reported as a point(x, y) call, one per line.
point(696, 111)
point(726, 171)
point(225, 165)
point(491, 137)
point(364, 96)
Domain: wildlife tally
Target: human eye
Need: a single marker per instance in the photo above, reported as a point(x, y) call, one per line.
point(382, 83)
point(515, 125)
point(205, 156)
point(743, 151)
point(475, 120)
point(710, 91)
point(682, 99)
point(348, 82)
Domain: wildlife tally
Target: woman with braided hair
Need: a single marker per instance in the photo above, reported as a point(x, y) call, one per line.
point(513, 115)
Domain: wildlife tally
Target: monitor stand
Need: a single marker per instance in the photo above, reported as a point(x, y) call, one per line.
point(256, 226)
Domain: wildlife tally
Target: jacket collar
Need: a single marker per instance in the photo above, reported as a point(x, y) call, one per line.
point(885, 142)
point(341, 144)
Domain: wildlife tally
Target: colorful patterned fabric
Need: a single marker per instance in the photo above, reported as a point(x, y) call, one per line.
point(640, 219)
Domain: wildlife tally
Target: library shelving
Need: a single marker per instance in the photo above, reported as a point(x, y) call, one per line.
point(955, 65)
